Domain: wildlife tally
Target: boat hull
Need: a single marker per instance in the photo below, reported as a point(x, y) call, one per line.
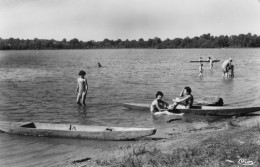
point(203, 61)
point(75, 131)
point(201, 110)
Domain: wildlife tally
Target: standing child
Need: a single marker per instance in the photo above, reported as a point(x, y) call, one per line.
point(82, 88)
point(201, 70)
point(210, 63)
point(200, 59)
point(231, 68)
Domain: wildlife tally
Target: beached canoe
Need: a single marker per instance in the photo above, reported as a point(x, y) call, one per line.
point(75, 131)
point(200, 110)
point(203, 61)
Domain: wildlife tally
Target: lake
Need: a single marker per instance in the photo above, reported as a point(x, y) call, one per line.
point(40, 85)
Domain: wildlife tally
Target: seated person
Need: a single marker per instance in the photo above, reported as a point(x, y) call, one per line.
point(186, 101)
point(158, 106)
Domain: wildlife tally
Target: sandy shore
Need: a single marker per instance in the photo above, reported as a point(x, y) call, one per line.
point(167, 138)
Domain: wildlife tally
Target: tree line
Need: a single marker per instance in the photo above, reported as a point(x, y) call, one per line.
point(203, 41)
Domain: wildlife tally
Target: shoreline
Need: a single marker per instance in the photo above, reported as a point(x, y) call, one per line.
point(167, 139)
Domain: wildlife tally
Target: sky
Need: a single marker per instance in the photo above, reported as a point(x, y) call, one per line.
point(127, 19)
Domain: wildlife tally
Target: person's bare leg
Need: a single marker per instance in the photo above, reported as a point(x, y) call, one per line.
point(78, 98)
point(84, 99)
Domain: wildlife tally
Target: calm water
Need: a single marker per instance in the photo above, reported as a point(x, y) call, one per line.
point(40, 86)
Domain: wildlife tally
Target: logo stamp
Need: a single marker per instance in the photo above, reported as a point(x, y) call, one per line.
point(243, 161)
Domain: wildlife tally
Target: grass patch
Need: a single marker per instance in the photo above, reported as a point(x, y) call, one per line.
point(106, 161)
point(232, 124)
point(217, 151)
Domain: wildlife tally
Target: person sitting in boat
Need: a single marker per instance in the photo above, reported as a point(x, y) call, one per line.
point(159, 106)
point(186, 101)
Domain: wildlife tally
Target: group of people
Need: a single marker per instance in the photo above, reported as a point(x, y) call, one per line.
point(201, 65)
point(227, 67)
point(160, 107)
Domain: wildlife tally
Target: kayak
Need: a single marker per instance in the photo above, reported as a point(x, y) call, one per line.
point(201, 101)
point(200, 110)
point(203, 61)
point(75, 131)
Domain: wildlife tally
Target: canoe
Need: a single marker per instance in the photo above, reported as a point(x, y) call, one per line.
point(75, 131)
point(203, 61)
point(201, 101)
point(200, 110)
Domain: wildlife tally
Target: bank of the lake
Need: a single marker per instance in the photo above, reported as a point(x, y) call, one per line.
point(229, 143)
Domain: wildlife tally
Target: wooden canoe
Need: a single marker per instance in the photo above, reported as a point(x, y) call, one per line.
point(201, 110)
point(75, 131)
point(203, 61)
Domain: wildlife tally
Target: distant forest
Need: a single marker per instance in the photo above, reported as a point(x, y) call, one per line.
point(203, 41)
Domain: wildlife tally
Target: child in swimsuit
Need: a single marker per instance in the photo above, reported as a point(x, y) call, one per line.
point(201, 70)
point(200, 59)
point(231, 68)
point(210, 64)
point(82, 88)
point(158, 106)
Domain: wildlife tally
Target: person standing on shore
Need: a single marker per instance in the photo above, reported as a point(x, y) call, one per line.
point(82, 88)
point(225, 67)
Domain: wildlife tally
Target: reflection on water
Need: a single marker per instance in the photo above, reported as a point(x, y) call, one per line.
point(82, 110)
point(40, 86)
